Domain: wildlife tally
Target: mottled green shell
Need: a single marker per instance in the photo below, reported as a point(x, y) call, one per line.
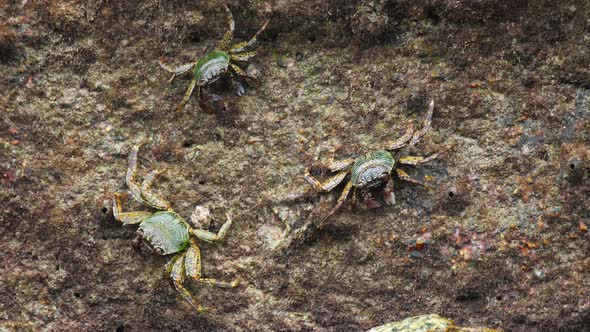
point(210, 67)
point(165, 232)
point(372, 169)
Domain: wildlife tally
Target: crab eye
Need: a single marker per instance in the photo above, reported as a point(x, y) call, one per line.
point(159, 251)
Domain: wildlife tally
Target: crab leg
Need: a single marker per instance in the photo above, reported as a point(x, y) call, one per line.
point(149, 179)
point(178, 70)
point(406, 177)
point(411, 160)
point(242, 46)
point(192, 263)
point(130, 176)
point(338, 165)
point(403, 140)
point(341, 200)
point(327, 185)
point(150, 197)
point(175, 268)
point(240, 71)
point(229, 34)
point(133, 217)
point(242, 56)
point(212, 237)
point(418, 135)
point(188, 94)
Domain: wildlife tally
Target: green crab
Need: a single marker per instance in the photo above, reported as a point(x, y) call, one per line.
point(165, 232)
point(215, 64)
point(375, 169)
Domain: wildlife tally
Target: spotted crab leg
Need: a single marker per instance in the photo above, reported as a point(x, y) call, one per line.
point(327, 185)
point(413, 160)
point(334, 166)
point(338, 165)
point(240, 71)
point(340, 201)
point(187, 95)
point(150, 197)
point(212, 237)
point(402, 141)
point(176, 270)
point(411, 137)
point(229, 34)
point(128, 218)
point(178, 70)
point(134, 188)
point(243, 45)
point(242, 56)
point(427, 122)
point(406, 177)
point(192, 262)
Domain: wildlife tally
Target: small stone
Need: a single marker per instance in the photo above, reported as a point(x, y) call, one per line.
point(201, 217)
point(286, 63)
point(539, 273)
point(253, 71)
point(583, 227)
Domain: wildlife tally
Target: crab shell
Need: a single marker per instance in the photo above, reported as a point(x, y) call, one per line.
point(165, 232)
point(372, 169)
point(210, 67)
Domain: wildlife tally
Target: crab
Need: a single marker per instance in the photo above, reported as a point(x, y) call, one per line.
point(375, 169)
point(165, 232)
point(216, 63)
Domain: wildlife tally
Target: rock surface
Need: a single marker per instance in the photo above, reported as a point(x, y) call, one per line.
point(502, 242)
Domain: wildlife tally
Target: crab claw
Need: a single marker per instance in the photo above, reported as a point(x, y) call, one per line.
point(238, 88)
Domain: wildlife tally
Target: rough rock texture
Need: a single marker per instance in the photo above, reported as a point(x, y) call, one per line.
point(502, 242)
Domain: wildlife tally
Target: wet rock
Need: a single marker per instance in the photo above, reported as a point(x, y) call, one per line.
point(370, 20)
point(509, 80)
point(271, 234)
point(577, 116)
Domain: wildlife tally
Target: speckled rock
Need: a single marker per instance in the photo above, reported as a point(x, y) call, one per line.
point(80, 84)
